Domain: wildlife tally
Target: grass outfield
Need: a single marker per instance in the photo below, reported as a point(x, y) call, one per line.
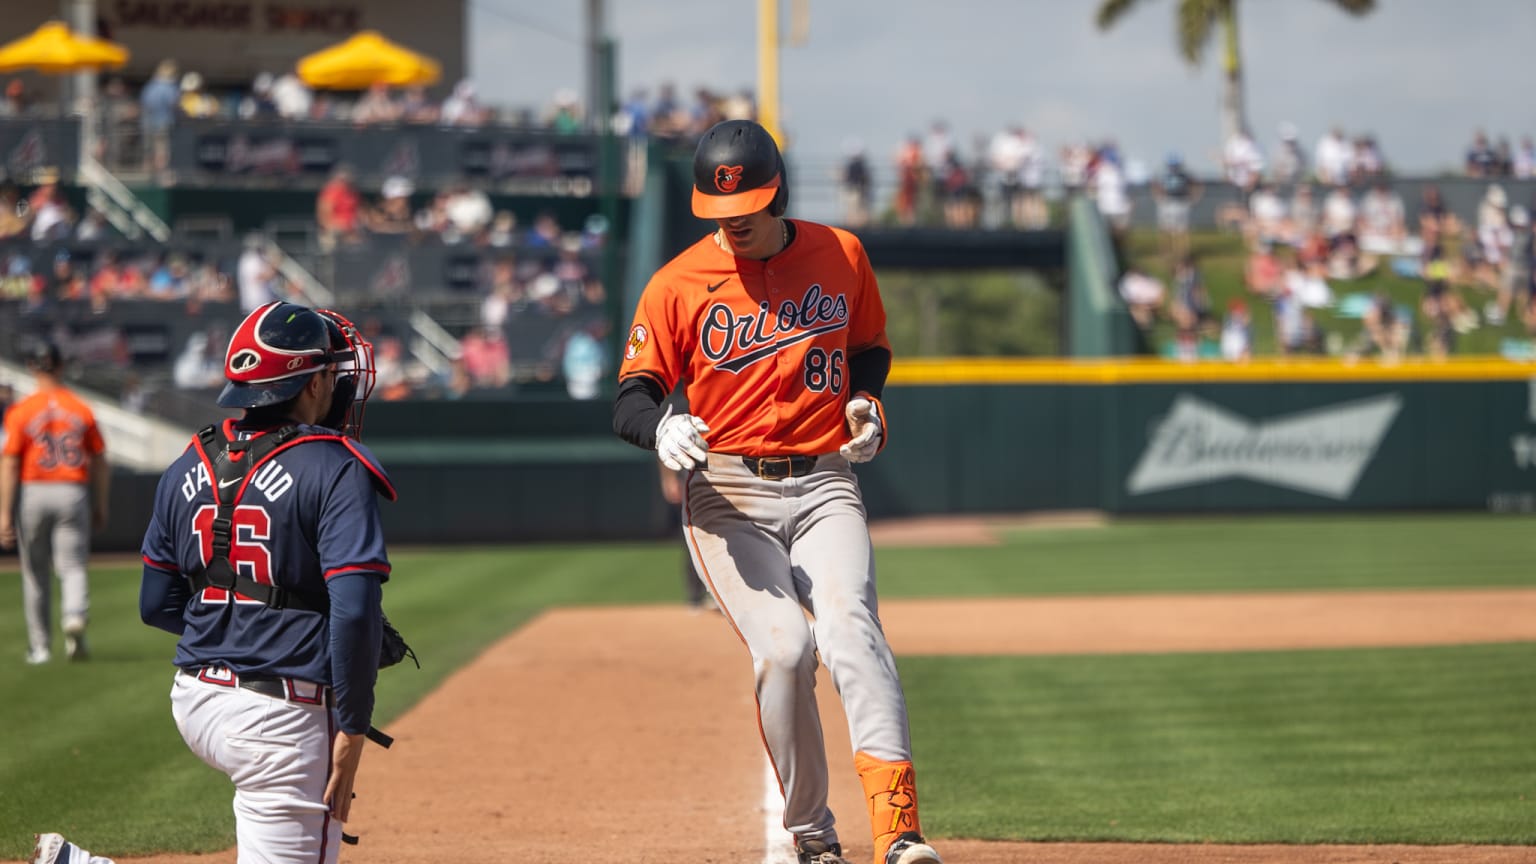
point(1412, 745)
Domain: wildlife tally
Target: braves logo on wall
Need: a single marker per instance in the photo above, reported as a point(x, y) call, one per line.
point(1321, 451)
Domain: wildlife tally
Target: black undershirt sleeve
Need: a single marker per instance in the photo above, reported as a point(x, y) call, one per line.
point(637, 410)
point(867, 371)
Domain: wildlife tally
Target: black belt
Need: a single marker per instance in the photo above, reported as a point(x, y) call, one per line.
point(275, 686)
point(779, 467)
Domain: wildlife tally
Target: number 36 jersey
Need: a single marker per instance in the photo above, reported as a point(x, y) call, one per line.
point(762, 346)
point(306, 514)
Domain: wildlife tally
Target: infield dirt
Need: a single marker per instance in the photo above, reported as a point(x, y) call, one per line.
point(628, 734)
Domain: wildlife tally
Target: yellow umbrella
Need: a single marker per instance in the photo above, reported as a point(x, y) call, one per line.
point(53, 48)
point(364, 60)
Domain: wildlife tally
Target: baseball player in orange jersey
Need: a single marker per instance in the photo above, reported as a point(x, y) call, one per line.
point(776, 329)
point(55, 455)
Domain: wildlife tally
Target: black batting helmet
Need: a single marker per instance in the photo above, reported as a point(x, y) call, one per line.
point(45, 356)
point(737, 170)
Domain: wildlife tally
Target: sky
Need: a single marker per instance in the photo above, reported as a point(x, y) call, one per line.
point(1421, 75)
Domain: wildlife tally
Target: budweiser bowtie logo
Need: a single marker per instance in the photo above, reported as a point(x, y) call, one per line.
point(1321, 451)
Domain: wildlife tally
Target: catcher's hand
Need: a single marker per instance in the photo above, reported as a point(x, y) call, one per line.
point(866, 426)
point(393, 647)
point(680, 441)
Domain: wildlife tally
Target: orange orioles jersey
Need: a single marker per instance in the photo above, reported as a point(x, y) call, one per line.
point(761, 346)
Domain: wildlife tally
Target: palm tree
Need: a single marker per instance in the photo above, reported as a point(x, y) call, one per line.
point(1196, 19)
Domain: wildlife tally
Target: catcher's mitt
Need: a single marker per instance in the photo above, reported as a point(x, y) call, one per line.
point(393, 647)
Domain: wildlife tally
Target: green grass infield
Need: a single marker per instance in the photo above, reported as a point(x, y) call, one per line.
point(1411, 745)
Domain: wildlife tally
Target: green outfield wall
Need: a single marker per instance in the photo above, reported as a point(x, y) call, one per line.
point(1000, 436)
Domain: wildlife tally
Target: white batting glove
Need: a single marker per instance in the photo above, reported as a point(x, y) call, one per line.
point(680, 441)
point(867, 428)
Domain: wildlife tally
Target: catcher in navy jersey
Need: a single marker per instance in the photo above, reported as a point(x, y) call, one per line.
point(265, 555)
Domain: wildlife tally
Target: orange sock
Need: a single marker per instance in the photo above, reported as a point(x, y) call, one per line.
point(891, 792)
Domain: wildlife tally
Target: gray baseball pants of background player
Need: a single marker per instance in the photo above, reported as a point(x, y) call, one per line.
point(53, 530)
point(769, 549)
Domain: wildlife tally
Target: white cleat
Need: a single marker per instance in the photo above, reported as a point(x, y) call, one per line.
point(46, 849)
point(38, 656)
point(910, 848)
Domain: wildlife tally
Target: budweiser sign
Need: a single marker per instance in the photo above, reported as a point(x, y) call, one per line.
point(1320, 451)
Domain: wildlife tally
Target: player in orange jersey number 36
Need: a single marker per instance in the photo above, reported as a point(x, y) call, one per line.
point(776, 330)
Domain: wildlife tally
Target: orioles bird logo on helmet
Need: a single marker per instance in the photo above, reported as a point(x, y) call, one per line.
point(726, 177)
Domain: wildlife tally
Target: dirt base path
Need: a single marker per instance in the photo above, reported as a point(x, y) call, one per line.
point(628, 735)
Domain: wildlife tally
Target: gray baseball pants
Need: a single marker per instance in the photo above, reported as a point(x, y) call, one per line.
point(770, 551)
point(53, 530)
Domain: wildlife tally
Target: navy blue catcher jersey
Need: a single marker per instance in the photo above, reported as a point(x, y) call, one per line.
point(307, 513)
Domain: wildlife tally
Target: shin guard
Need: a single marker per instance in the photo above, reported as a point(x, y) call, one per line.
point(891, 793)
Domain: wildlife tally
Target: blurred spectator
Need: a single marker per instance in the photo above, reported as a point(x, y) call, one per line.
point(461, 108)
point(201, 363)
point(1237, 332)
point(15, 214)
point(1331, 158)
point(1242, 162)
point(258, 105)
point(1385, 330)
point(582, 365)
point(468, 212)
point(65, 281)
point(1516, 275)
point(195, 102)
point(668, 121)
point(392, 215)
point(157, 112)
point(389, 362)
point(959, 191)
point(565, 113)
point(545, 233)
point(14, 103)
point(1524, 166)
point(1383, 227)
point(291, 97)
point(854, 183)
point(1191, 308)
point(1267, 223)
point(486, 357)
point(417, 109)
point(52, 217)
point(503, 231)
point(256, 274)
point(1481, 161)
point(338, 210)
point(92, 227)
point(1289, 164)
point(1262, 273)
point(1174, 192)
point(505, 292)
point(1005, 157)
point(1110, 193)
point(1301, 218)
point(169, 281)
point(120, 143)
point(1143, 295)
point(1493, 236)
point(376, 108)
point(910, 176)
point(1296, 330)
point(1366, 162)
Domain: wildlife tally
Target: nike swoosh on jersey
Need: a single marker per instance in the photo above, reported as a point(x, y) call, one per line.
point(225, 484)
point(711, 288)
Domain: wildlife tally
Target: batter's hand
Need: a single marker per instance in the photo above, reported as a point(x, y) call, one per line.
point(346, 752)
point(866, 427)
point(680, 441)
